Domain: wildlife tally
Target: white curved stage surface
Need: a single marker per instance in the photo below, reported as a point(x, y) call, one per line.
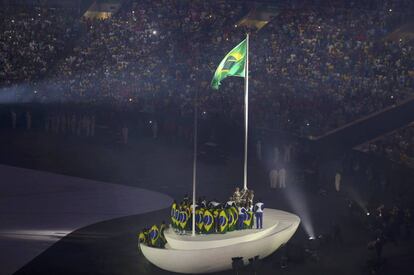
point(37, 209)
point(214, 252)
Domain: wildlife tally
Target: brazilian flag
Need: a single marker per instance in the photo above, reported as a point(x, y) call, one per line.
point(230, 221)
point(223, 222)
point(233, 64)
point(183, 219)
point(199, 219)
point(208, 221)
point(173, 210)
point(189, 219)
point(177, 218)
point(154, 235)
point(248, 221)
point(235, 214)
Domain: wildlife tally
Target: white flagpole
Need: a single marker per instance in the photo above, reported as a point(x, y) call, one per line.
point(246, 109)
point(195, 159)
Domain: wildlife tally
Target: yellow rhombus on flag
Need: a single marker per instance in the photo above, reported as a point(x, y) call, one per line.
point(232, 65)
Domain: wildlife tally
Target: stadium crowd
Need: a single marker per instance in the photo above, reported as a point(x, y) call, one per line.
point(311, 71)
point(30, 42)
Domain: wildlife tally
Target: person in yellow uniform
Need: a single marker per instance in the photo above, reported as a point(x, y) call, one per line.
point(208, 222)
point(251, 214)
point(154, 235)
point(163, 241)
point(223, 221)
point(173, 213)
point(216, 220)
point(183, 219)
point(235, 214)
point(230, 218)
point(248, 220)
point(199, 219)
point(189, 212)
point(141, 239)
point(146, 234)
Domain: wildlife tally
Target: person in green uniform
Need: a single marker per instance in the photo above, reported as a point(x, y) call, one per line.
point(154, 235)
point(163, 240)
point(199, 219)
point(223, 221)
point(230, 218)
point(183, 219)
point(189, 212)
point(235, 213)
point(173, 214)
point(251, 215)
point(208, 222)
point(146, 234)
point(141, 237)
point(248, 220)
point(216, 221)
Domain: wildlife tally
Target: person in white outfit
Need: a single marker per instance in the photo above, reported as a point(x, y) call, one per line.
point(338, 181)
point(258, 209)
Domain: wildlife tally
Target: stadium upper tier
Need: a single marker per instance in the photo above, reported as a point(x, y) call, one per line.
point(312, 68)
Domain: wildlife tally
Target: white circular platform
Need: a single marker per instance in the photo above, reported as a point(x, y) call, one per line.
point(214, 252)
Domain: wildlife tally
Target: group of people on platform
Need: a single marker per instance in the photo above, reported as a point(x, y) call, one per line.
point(211, 217)
point(215, 217)
point(153, 236)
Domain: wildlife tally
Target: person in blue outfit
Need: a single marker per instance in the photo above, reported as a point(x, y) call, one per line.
point(258, 209)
